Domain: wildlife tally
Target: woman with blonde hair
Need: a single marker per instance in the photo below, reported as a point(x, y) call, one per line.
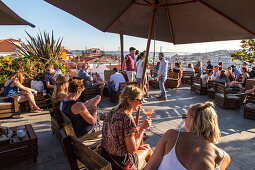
point(13, 87)
point(121, 139)
point(61, 89)
point(193, 149)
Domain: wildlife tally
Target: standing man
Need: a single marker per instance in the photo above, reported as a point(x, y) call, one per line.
point(209, 65)
point(162, 75)
point(50, 78)
point(129, 61)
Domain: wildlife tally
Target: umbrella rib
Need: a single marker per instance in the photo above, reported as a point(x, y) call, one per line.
point(178, 3)
point(169, 22)
point(137, 3)
point(119, 16)
point(147, 2)
point(227, 17)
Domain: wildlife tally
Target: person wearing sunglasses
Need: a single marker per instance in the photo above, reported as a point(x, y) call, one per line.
point(195, 148)
point(121, 138)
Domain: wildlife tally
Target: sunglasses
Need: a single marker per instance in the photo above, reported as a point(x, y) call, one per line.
point(139, 100)
point(185, 116)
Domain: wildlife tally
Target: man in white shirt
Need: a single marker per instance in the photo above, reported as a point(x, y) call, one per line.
point(162, 75)
point(115, 80)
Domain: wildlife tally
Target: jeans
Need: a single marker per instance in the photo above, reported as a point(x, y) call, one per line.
point(111, 87)
point(162, 87)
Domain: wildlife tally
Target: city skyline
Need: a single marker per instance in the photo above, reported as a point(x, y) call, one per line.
point(77, 34)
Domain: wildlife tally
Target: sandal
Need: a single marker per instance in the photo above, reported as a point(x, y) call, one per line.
point(35, 111)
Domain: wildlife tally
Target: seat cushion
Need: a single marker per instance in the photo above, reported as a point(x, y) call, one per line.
point(186, 77)
point(211, 90)
point(232, 97)
point(221, 95)
point(250, 106)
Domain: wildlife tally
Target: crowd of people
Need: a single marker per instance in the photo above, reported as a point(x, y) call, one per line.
point(122, 141)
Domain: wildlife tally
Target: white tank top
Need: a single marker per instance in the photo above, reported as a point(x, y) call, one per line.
point(171, 162)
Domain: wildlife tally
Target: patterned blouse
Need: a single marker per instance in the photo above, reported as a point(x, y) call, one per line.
point(116, 127)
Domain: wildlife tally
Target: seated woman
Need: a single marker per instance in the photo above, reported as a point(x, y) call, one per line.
point(97, 81)
point(193, 149)
point(177, 68)
point(121, 139)
point(61, 89)
point(223, 78)
point(83, 121)
point(12, 87)
point(205, 78)
point(230, 74)
point(190, 68)
point(241, 81)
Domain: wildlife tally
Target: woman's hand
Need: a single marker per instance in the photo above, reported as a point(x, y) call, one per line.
point(34, 91)
point(146, 123)
point(143, 147)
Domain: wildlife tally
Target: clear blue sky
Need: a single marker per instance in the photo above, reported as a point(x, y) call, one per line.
point(78, 34)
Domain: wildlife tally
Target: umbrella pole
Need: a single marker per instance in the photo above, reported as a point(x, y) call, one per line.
point(121, 49)
point(154, 9)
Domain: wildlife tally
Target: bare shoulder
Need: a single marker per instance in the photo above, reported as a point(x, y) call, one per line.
point(222, 158)
point(78, 107)
point(170, 137)
point(62, 96)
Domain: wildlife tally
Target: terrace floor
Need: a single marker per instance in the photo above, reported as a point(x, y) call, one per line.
point(238, 134)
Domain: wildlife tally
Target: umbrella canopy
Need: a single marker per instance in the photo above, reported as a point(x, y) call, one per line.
point(8, 17)
point(176, 21)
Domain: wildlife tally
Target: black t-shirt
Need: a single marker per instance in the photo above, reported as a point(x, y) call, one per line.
point(209, 67)
point(252, 74)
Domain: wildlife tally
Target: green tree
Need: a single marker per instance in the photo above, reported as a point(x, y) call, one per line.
point(247, 53)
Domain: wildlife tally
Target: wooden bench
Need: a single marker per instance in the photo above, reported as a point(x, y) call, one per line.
point(249, 107)
point(115, 94)
point(81, 156)
point(8, 109)
point(173, 80)
point(187, 75)
point(225, 100)
point(197, 86)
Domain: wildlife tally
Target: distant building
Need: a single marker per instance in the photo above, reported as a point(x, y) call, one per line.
point(7, 48)
point(94, 52)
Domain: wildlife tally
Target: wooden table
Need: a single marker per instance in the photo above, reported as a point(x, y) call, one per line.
point(20, 149)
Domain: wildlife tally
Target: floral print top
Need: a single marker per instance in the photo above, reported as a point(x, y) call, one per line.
point(117, 125)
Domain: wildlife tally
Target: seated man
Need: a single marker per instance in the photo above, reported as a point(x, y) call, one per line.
point(115, 80)
point(252, 73)
point(88, 79)
point(50, 78)
point(83, 121)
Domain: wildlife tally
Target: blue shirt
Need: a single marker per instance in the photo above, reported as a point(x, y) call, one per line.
point(237, 72)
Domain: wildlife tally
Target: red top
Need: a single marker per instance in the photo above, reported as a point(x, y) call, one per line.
point(130, 62)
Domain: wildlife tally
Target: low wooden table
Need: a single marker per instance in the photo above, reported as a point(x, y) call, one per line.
point(20, 149)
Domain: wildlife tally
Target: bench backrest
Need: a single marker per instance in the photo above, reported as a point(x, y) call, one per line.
point(173, 75)
point(188, 73)
point(124, 84)
point(75, 150)
point(221, 88)
point(250, 98)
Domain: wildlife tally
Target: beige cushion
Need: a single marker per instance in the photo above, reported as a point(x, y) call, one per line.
point(221, 95)
point(211, 90)
point(232, 97)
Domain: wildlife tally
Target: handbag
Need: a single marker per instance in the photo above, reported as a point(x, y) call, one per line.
point(129, 165)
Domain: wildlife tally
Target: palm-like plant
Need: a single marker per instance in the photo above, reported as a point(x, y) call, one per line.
point(42, 47)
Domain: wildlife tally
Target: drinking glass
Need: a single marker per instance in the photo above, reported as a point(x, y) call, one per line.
point(148, 113)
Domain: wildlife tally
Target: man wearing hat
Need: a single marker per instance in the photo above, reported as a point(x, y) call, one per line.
point(129, 61)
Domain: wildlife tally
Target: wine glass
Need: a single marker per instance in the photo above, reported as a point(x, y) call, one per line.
point(148, 113)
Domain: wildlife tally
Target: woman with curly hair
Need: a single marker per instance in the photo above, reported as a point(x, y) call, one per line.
point(193, 149)
point(121, 138)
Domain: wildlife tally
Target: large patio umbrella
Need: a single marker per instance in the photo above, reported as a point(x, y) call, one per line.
point(8, 17)
point(175, 21)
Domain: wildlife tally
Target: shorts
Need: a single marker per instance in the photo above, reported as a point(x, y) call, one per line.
point(130, 75)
